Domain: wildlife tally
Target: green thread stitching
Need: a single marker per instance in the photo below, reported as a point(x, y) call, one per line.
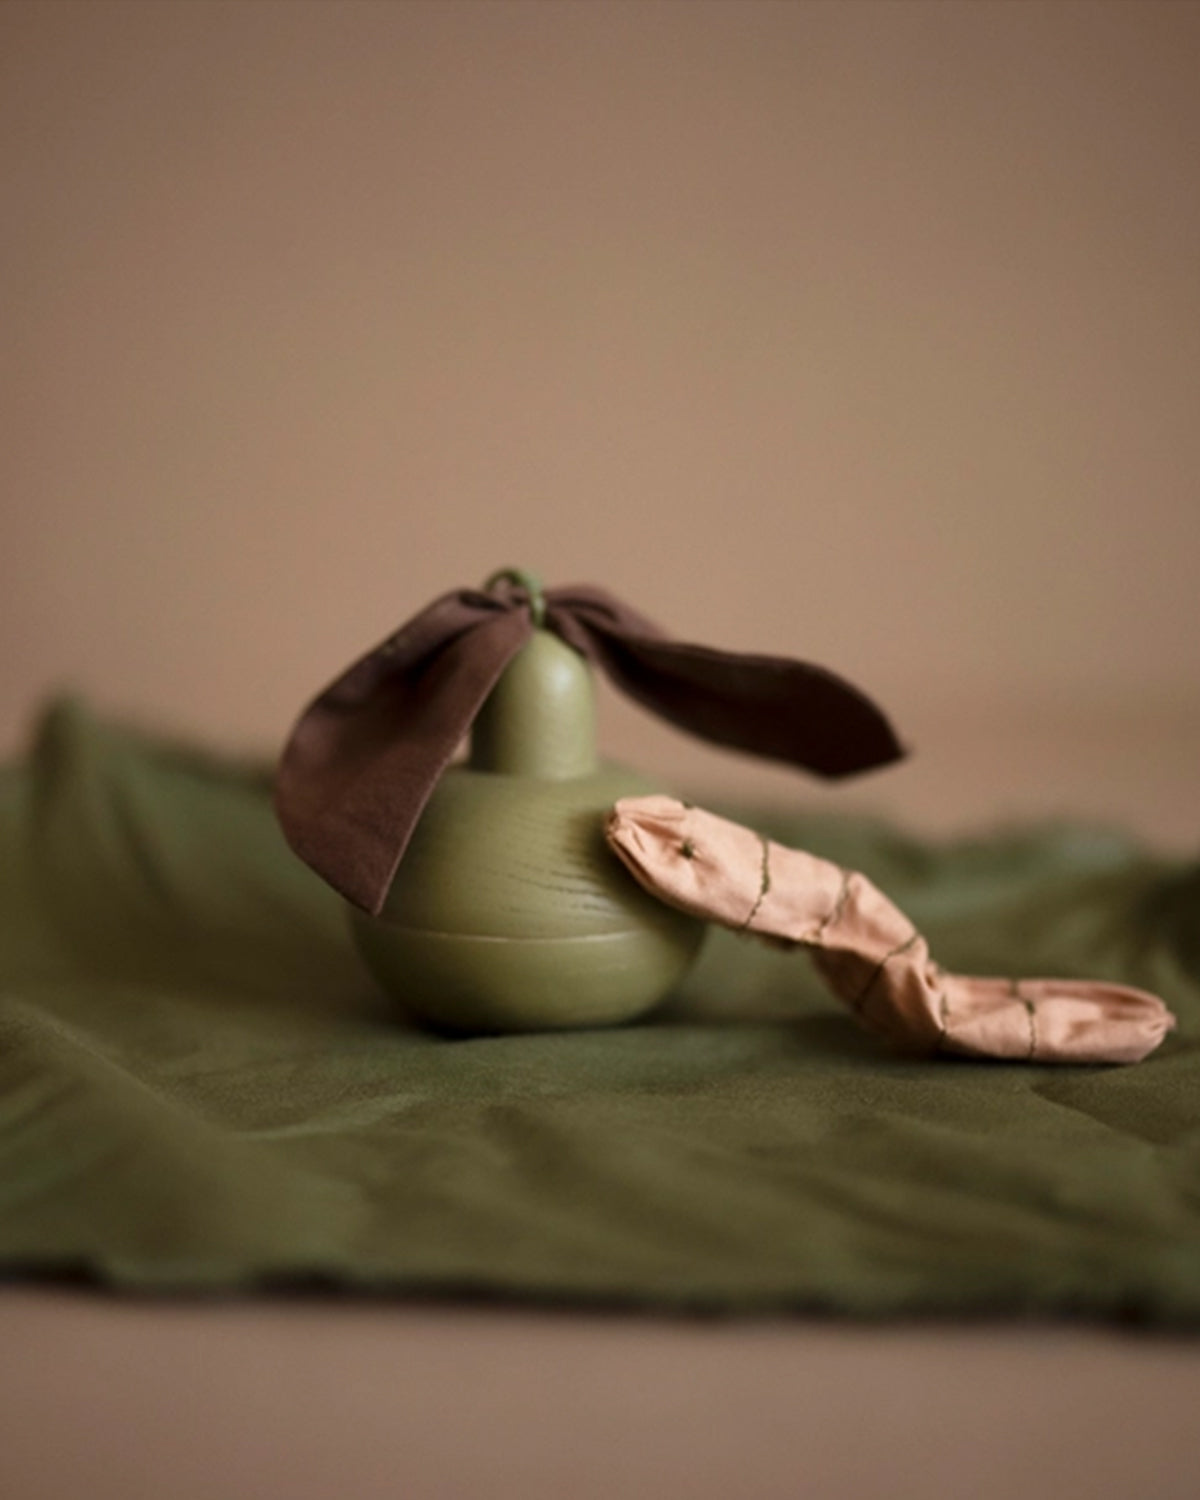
point(1030, 1005)
point(860, 999)
point(835, 914)
point(764, 882)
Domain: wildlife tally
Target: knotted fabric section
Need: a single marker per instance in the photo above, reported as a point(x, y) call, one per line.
point(868, 951)
point(365, 756)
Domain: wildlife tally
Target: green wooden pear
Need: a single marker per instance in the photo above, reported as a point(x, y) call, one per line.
point(485, 897)
point(508, 911)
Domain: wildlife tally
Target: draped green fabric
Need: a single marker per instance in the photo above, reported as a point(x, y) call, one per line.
point(199, 1089)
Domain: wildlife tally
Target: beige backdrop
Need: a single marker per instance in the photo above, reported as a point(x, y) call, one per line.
point(868, 332)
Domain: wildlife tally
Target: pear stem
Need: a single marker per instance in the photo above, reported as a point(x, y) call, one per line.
point(532, 585)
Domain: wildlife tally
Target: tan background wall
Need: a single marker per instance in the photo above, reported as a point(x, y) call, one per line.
point(869, 332)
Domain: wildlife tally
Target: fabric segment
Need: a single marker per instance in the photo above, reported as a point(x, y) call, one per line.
point(871, 954)
point(200, 1090)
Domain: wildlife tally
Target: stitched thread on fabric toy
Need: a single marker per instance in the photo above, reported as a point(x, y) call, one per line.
point(764, 885)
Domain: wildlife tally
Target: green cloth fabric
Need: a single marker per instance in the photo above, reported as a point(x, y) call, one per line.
point(200, 1090)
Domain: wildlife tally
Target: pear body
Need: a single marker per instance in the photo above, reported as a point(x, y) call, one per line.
point(508, 911)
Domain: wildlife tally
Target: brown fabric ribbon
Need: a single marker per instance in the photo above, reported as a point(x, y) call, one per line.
point(365, 756)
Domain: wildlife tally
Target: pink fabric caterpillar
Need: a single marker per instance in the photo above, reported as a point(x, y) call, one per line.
point(872, 956)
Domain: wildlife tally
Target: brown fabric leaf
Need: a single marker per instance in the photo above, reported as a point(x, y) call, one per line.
point(365, 756)
point(771, 706)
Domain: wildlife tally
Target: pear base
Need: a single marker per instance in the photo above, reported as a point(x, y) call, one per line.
point(470, 984)
point(509, 912)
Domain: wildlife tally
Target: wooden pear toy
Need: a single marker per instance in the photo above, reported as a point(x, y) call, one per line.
point(484, 895)
point(509, 912)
